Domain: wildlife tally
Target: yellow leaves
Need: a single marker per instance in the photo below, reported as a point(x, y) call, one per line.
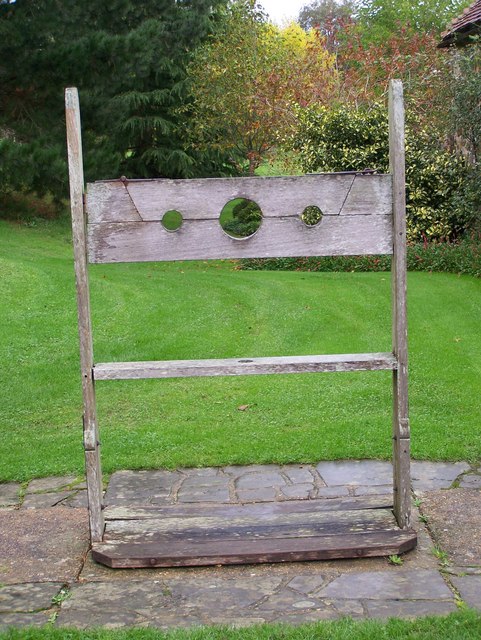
point(246, 82)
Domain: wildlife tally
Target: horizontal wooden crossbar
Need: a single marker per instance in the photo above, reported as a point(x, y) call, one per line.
point(244, 366)
point(336, 194)
point(124, 218)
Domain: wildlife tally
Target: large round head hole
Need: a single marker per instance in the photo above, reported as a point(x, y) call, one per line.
point(240, 218)
point(172, 220)
point(311, 215)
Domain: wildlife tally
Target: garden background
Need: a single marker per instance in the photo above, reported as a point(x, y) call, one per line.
point(194, 89)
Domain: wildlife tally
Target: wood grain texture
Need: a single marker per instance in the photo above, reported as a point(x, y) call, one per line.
point(248, 551)
point(401, 464)
point(243, 366)
point(362, 215)
point(196, 535)
point(204, 199)
point(90, 428)
point(110, 202)
point(93, 475)
point(234, 523)
point(266, 509)
point(402, 481)
point(205, 239)
point(236, 532)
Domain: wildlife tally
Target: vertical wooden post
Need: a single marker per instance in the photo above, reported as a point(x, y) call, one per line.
point(401, 437)
point(90, 429)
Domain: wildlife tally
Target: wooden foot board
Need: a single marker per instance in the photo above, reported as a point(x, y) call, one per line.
point(291, 531)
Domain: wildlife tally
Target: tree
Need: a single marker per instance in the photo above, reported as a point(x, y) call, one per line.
point(465, 108)
point(248, 77)
point(378, 19)
point(330, 17)
point(410, 56)
point(465, 122)
point(128, 59)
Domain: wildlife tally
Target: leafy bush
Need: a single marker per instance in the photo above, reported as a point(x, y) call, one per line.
point(452, 257)
point(29, 209)
point(439, 203)
point(246, 216)
point(311, 215)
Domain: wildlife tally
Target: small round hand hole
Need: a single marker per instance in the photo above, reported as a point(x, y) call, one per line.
point(172, 220)
point(311, 216)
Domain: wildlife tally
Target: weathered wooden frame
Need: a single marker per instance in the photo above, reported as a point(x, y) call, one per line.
point(120, 221)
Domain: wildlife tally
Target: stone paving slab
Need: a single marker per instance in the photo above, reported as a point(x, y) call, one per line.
point(356, 472)
point(41, 545)
point(264, 483)
point(51, 539)
point(76, 500)
point(262, 494)
point(9, 494)
point(384, 585)
point(379, 489)
point(301, 474)
point(29, 597)
point(409, 609)
point(245, 599)
point(454, 517)
point(471, 481)
point(44, 500)
point(38, 619)
point(469, 588)
point(298, 492)
point(127, 483)
point(428, 476)
point(53, 483)
point(256, 480)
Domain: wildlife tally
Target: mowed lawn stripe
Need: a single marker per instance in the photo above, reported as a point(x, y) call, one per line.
point(212, 310)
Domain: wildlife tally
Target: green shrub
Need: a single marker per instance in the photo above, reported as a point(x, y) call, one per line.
point(246, 216)
point(452, 257)
point(28, 208)
point(439, 202)
point(311, 215)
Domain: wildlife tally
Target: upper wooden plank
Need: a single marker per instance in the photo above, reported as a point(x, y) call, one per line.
point(204, 199)
point(125, 217)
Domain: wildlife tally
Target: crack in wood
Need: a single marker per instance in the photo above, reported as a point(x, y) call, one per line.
point(132, 200)
point(347, 195)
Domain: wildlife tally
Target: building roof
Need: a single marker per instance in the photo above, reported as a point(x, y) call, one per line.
point(462, 27)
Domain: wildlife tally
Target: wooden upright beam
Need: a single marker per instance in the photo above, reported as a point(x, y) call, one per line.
point(401, 436)
point(91, 440)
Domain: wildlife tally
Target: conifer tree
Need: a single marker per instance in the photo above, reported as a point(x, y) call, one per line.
point(128, 59)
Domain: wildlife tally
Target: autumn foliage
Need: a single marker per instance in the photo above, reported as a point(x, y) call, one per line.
point(409, 55)
point(247, 80)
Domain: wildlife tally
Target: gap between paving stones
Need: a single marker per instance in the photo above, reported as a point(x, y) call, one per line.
point(331, 478)
point(326, 479)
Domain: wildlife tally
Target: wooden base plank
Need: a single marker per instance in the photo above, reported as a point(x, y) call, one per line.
point(196, 535)
point(235, 526)
point(191, 554)
point(268, 509)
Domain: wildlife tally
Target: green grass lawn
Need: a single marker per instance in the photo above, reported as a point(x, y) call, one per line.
point(202, 310)
point(464, 625)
